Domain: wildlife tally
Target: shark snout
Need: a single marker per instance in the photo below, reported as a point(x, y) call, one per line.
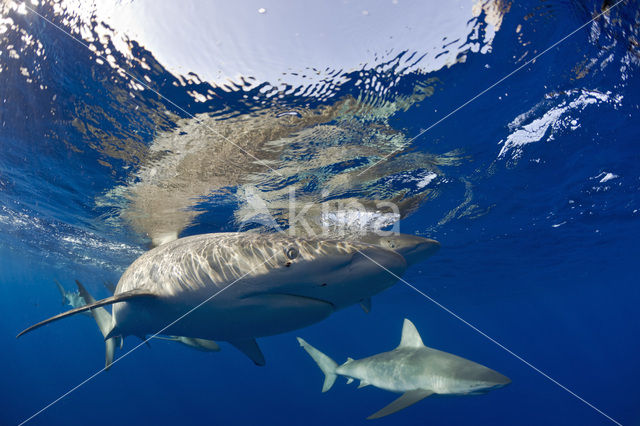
point(413, 248)
point(494, 380)
point(369, 271)
point(503, 380)
point(344, 279)
point(416, 249)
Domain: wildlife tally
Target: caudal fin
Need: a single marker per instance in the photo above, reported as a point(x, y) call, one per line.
point(110, 350)
point(326, 364)
point(121, 297)
point(103, 319)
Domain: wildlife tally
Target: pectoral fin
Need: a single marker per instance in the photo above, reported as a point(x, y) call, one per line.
point(407, 399)
point(365, 304)
point(250, 348)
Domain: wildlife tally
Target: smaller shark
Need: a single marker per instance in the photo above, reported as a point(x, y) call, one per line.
point(72, 298)
point(412, 369)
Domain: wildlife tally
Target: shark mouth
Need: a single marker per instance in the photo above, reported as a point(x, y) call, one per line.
point(315, 299)
point(298, 296)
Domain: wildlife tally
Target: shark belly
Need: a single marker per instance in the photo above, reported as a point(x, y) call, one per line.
point(222, 318)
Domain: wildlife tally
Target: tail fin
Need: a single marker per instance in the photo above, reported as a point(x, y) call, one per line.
point(110, 351)
point(103, 319)
point(326, 364)
point(121, 297)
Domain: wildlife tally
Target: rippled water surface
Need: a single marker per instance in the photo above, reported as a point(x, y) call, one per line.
point(126, 124)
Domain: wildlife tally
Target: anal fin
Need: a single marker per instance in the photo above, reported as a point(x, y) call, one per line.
point(407, 399)
point(250, 348)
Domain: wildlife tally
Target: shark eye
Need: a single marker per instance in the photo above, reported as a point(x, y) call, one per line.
point(292, 253)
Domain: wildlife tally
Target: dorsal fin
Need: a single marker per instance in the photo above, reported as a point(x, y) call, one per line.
point(410, 336)
point(131, 294)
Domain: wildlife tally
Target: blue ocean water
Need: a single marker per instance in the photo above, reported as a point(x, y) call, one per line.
point(532, 190)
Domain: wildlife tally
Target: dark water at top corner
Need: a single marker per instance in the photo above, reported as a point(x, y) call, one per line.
point(532, 189)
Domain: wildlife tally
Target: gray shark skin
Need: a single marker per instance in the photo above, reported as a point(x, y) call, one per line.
point(197, 344)
point(265, 285)
point(412, 369)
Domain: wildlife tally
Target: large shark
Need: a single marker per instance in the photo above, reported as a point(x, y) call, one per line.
point(412, 369)
point(254, 285)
